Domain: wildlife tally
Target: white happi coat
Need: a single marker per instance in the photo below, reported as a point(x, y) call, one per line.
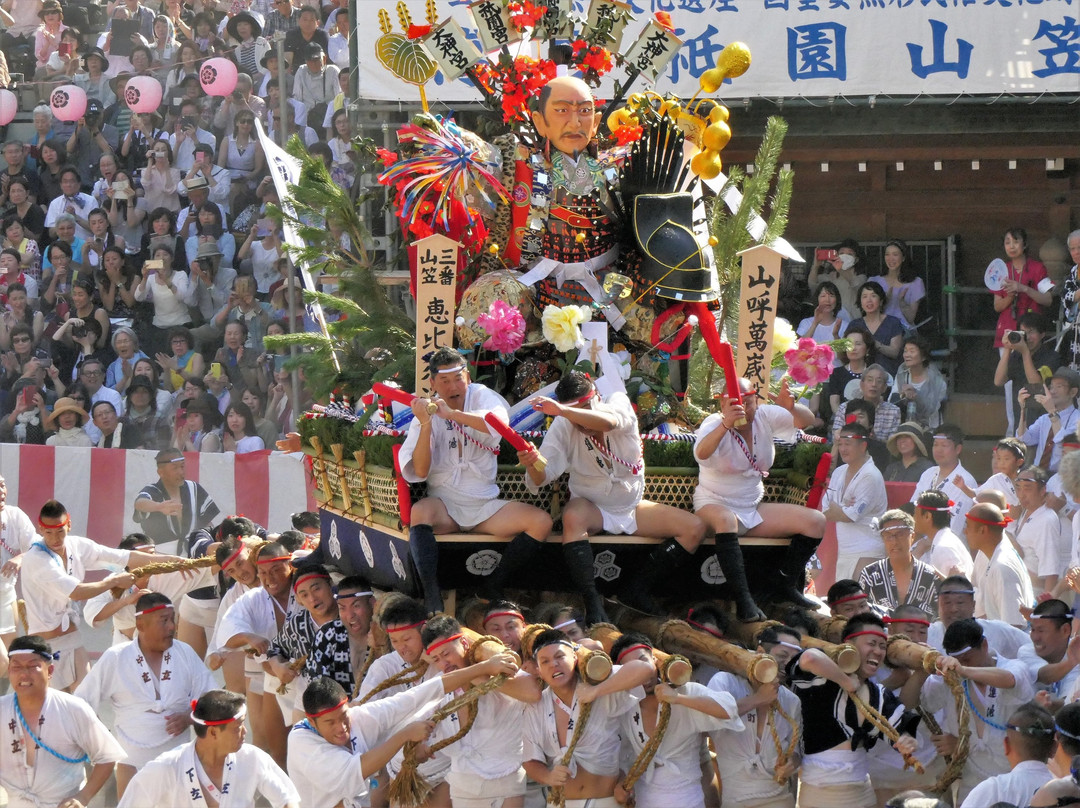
point(173, 781)
point(69, 727)
point(122, 679)
point(615, 489)
point(464, 461)
point(746, 757)
point(254, 612)
point(674, 775)
point(17, 533)
point(326, 774)
point(48, 605)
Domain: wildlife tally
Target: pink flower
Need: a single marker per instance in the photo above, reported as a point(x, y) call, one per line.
point(504, 325)
point(810, 363)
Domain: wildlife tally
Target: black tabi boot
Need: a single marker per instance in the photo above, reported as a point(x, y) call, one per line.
point(425, 555)
point(792, 580)
point(579, 558)
point(665, 560)
point(730, 558)
point(522, 552)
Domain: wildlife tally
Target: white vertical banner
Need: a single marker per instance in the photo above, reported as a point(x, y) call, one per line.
point(285, 170)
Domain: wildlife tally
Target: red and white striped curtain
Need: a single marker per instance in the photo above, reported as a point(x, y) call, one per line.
point(98, 486)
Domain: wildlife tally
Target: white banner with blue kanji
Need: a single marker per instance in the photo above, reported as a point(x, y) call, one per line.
point(816, 48)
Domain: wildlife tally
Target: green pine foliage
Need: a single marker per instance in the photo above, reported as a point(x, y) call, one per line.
point(374, 339)
point(766, 192)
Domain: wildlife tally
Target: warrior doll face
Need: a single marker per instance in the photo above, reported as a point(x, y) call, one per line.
point(568, 118)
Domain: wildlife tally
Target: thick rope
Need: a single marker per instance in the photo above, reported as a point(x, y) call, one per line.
point(409, 676)
point(886, 729)
point(648, 752)
point(410, 788)
point(955, 762)
point(295, 666)
point(162, 567)
point(373, 653)
point(20, 607)
point(556, 796)
point(783, 756)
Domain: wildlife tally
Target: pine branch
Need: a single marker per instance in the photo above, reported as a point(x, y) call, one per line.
point(335, 302)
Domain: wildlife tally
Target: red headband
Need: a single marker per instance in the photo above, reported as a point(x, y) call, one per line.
point(870, 632)
point(405, 628)
point(1003, 523)
point(917, 620)
point(157, 608)
point(274, 560)
point(442, 642)
point(341, 703)
point(240, 714)
point(941, 508)
point(518, 615)
point(849, 598)
point(1070, 445)
point(706, 629)
point(47, 526)
point(626, 651)
point(578, 401)
point(233, 557)
point(324, 576)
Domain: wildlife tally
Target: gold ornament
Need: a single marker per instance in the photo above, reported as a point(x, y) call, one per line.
point(502, 284)
point(403, 57)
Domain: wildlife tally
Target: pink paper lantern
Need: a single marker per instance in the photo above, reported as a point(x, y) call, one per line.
point(9, 105)
point(218, 76)
point(68, 102)
point(143, 94)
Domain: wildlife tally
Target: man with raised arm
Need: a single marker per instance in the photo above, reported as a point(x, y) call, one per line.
point(598, 442)
point(57, 564)
point(455, 452)
point(735, 450)
point(336, 748)
point(994, 687)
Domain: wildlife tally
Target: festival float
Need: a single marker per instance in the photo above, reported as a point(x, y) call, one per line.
point(634, 259)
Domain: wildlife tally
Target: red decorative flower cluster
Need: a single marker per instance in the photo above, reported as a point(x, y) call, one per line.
point(626, 134)
point(593, 60)
point(518, 81)
point(524, 14)
point(388, 158)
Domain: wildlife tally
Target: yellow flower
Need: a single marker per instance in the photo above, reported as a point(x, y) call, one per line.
point(784, 337)
point(562, 326)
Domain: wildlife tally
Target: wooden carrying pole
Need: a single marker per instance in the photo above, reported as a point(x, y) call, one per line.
point(844, 655)
point(593, 666)
point(678, 637)
point(674, 670)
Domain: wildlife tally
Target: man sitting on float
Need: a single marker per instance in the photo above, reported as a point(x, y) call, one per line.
point(453, 450)
point(598, 443)
point(735, 451)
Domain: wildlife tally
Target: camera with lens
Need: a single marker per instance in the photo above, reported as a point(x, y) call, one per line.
point(1015, 337)
point(78, 332)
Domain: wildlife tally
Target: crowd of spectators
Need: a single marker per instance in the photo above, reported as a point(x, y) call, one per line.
point(139, 272)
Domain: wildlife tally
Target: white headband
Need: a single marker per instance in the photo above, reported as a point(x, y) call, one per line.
point(790, 645)
point(565, 624)
point(240, 715)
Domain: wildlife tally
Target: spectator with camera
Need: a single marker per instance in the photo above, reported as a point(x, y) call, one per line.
point(1025, 358)
point(187, 135)
point(160, 178)
point(1047, 431)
